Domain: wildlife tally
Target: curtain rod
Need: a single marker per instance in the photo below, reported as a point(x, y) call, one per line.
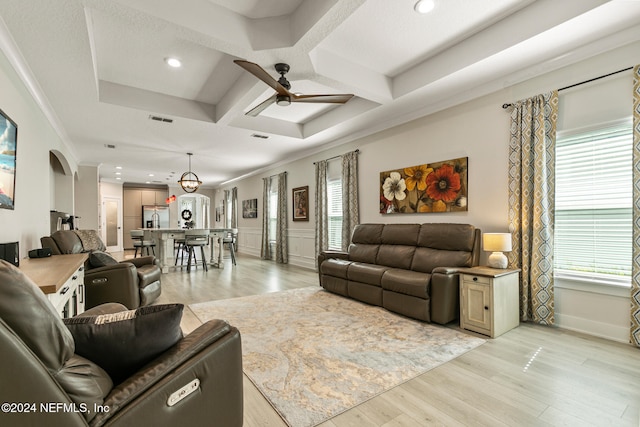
point(505, 106)
point(285, 172)
point(335, 157)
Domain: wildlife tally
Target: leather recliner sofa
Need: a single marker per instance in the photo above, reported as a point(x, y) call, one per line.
point(134, 283)
point(193, 381)
point(410, 269)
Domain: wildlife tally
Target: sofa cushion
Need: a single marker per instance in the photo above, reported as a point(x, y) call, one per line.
point(400, 234)
point(121, 343)
point(68, 242)
point(407, 282)
point(101, 259)
point(426, 259)
point(335, 267)
point(397, 256)
point(25, 308)
point(368, 234)
point(91, 240)
point(371, 274)
point(363, 252)
point(451, 237)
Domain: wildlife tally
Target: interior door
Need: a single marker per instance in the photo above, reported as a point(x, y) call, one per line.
point(112, 223)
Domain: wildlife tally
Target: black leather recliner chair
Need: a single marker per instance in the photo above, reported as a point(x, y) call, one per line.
point(46, 383)
point(134, 283)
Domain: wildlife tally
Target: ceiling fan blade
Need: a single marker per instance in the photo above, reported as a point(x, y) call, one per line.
point(260, 73)
point(261, 107)
point(328, 99)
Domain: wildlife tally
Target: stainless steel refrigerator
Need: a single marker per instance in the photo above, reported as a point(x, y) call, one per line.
point(155, 216)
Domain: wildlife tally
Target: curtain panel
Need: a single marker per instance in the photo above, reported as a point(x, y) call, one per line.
point(321, 209)
point(350, 197)
point(265, 250)
point(225, 208)
point(282, 238)
point(635, 268)
point(234, 207)
point(531, 202)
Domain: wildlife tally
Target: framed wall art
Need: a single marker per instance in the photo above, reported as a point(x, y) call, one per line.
point(301, 203)
point(428, 188)
point(8, 144)
point(250, 208)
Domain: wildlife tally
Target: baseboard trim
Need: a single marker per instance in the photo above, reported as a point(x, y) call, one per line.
point(590, 327)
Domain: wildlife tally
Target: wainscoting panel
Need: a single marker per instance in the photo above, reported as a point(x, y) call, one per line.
point(302, 248)
point(301, 245)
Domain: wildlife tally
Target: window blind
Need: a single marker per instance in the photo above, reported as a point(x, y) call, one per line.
point(334, 201)
point(593, 219)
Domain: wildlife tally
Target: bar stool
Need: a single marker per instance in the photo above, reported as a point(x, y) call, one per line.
point(139, 243)
point(179, 246)
point(193, 239)
point(231, 240)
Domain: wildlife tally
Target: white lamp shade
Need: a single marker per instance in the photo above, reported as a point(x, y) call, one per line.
point(496, 242)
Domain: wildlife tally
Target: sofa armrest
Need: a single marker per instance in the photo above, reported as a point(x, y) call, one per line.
point(324, 255)
point(211, 354)
point(112, 283)
point(445, 295)
point(142, 261)
point(48, 242)
point(446, 270)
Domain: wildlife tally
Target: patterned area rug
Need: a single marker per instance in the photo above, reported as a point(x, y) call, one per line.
point(314, 354)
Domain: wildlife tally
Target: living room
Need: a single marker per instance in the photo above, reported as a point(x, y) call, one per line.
point(477, 129)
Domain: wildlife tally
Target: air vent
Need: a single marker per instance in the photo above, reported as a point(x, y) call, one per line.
point(110, 146)
point(257, 135)
point(160, 119)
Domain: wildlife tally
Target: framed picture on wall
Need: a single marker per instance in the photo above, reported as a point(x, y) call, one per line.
point(8, 143)
point(250, 208)
point(301, 203)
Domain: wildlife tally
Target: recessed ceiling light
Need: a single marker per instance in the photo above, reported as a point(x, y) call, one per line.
point(118, 178)
point(150, 174)
point(118, 173)
point(118, 167)
point(424, 6)
point(173, 62)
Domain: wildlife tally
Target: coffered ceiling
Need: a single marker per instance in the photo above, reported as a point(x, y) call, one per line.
point(98, 69)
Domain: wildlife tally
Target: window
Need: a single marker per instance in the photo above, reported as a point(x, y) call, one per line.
point(273, 210)
point(334, 201)
point(593, 219)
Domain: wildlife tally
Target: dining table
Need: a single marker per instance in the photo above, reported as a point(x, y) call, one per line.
point(164, 239)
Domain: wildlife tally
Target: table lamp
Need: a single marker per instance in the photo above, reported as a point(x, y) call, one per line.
point(497, 243)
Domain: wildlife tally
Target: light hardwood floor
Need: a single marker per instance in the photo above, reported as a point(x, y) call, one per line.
point(530, 376)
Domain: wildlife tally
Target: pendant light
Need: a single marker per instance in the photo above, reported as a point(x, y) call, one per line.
point(189, 181)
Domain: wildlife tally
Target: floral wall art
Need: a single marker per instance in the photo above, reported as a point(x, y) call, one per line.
point(433, 187)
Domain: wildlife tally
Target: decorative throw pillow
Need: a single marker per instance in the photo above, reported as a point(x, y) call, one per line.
point(100, 259)
point(121, 343)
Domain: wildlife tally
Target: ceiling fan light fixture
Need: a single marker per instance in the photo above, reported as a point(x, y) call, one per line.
point(189, 181)
point(424, 6)
point(283, 100)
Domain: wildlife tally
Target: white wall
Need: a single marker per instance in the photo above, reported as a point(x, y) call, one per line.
point(36, 137)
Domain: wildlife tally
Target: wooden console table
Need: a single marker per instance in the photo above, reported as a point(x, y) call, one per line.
point(61, 278)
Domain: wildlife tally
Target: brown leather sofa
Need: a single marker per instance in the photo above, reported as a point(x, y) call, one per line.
point(410, 269)
point(46, 382)
point(134, 283)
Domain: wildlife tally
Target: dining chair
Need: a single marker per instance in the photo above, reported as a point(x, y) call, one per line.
point(231, 240)
point(139, 243)
point(194, 238)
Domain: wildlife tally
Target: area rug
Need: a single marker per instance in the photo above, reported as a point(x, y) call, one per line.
point(314, 355)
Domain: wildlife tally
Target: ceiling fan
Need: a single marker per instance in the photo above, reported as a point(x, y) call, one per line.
point(282, 96)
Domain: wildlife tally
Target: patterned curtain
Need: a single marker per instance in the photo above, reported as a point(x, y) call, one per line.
point(321, 209)
point(265, 251)
point(225, 209)
point(635, 273)
point(234, 207)
point(350, 198)
point(531, 202)
point(282, 244)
